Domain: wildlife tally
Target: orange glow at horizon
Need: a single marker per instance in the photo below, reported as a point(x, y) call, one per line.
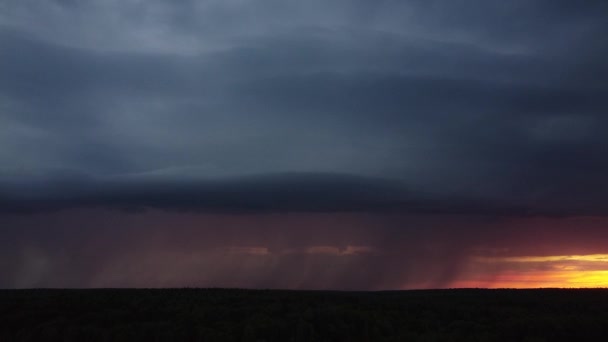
point(558, 271)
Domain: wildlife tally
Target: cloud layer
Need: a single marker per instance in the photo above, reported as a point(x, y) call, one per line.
point(467, 110)
point(478, 99)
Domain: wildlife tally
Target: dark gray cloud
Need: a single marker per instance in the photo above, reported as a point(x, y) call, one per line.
point(453, 116)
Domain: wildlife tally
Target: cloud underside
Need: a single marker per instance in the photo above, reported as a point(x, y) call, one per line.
point(274, 193)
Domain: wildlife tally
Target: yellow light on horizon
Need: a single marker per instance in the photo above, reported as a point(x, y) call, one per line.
point(588, 257)
point(555, 271)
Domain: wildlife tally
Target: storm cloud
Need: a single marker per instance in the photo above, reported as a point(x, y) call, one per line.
point(456, 111)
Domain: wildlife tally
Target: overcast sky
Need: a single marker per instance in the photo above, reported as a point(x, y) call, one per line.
point(438, 119)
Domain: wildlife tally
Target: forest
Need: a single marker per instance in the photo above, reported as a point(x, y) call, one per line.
point(237, 315)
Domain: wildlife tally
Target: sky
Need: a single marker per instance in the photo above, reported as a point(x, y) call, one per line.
point(344, 145)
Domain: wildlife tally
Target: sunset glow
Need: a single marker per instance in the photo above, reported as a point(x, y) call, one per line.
point(556, 271)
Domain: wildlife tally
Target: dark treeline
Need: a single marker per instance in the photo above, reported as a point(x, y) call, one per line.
point(275, 315)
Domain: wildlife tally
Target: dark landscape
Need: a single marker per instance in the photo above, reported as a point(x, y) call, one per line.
point(280, 315)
